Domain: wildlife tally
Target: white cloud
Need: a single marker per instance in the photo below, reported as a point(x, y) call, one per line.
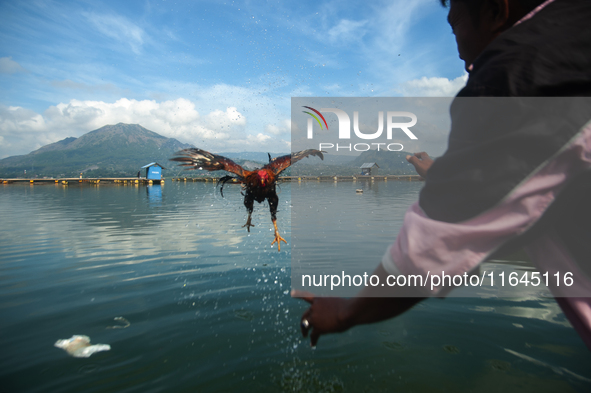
point(119, 29)
point(24, 130)
point(227, 118)
point(9, 66)
point(259, 138)
point(433, 87)
point(284, 127)
point(174, 118)
point(272, 129)
point(14, 115)
point(346, 31)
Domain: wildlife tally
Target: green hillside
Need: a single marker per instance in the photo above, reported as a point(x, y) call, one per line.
point(113, 150)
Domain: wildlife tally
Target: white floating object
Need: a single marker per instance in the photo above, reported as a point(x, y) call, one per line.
point(79, 346)
point(359, 191)
point(122, 320)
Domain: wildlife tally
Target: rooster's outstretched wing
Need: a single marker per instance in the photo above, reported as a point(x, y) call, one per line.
point(201, 159)
point(279, 164)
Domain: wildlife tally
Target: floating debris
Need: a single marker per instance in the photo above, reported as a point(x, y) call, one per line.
point(499, 365)
point(359, 191)
point(244, 315)
point(393, 345)
point(79, 346)
point(121, 319)
point(451, 349)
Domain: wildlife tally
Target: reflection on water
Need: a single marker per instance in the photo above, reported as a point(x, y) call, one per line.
point(205, 305)
point(154, 195)
point(336, 230)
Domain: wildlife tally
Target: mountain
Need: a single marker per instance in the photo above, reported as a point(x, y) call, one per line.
point(112, 150)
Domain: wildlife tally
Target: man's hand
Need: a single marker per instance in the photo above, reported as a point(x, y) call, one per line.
point(334, 315)
point(325, 315)
point(421, 161)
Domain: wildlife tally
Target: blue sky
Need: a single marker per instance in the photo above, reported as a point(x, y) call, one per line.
point(216, 74)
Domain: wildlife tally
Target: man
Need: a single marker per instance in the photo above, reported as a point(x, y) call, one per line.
point(516, 172)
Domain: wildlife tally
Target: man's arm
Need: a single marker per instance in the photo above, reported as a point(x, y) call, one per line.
point(372, 304)
point(333, 315)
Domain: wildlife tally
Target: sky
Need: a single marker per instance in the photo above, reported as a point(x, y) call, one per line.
point(219, 75)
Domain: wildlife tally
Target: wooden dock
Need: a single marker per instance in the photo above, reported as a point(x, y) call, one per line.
point(75, 180)
point(316, 178)
point(142, 181)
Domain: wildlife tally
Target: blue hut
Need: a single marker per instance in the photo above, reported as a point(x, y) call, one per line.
point(153, 171)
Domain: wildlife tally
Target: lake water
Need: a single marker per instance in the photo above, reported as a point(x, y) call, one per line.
point(209, 308)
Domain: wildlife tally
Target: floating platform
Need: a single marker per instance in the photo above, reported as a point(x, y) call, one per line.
point(142, 181)
point(75, 180)
point(314, 178)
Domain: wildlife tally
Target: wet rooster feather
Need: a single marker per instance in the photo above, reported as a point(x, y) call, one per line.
point(259, 184)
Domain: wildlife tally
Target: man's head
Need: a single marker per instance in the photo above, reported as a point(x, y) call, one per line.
point(476, 23)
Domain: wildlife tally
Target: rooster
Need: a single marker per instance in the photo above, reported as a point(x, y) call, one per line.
point(258, 184)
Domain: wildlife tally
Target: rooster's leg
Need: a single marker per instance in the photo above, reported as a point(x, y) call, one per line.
point(278, 237)
point(248, 224)
point(273, 202)
point(248, 203)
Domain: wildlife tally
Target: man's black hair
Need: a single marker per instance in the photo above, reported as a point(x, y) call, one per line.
point(473, 8)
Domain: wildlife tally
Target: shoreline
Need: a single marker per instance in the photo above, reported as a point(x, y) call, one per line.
point(143, 181)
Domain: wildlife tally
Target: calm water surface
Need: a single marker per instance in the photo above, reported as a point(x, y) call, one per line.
point(209, 306)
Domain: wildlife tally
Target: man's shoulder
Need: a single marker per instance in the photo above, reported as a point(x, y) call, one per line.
point(547, 55)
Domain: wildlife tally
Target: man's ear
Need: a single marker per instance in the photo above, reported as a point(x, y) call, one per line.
point(497, 15)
